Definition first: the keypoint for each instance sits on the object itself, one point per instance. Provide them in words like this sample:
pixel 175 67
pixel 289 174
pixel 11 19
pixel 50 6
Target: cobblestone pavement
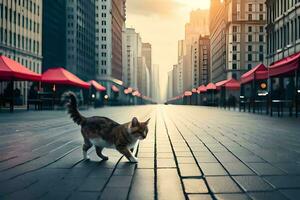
pixel 190 153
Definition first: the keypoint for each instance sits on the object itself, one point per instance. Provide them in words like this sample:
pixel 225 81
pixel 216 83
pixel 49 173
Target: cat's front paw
pixel 133 159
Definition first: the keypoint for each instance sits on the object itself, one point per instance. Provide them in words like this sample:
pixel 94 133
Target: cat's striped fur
pixel 103 132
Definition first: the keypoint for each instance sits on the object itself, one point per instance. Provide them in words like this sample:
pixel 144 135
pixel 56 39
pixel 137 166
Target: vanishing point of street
pixel 190 153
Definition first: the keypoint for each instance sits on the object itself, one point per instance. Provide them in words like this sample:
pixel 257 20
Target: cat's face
pixel 139 130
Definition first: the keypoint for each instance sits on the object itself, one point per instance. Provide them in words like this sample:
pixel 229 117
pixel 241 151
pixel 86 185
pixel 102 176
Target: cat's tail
pixel 73 110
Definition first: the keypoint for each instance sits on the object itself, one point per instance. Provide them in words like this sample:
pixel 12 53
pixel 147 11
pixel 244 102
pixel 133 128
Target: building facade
pixel 54 34
pixel 110 25
pixel 198 25
pixel 204 61
pixel 21 36
pixel 283 29
pixel 80 34
pixel 238 39
pixel 170 87
pixel 147 54
pixel 132 50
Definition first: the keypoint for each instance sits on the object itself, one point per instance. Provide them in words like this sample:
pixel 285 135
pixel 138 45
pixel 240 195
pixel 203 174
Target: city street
pixel 190 153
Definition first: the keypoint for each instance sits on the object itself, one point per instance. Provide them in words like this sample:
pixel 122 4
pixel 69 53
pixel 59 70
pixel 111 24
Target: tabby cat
pixel 103 132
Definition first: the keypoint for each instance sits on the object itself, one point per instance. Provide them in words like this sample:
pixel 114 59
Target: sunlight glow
pixel 195 4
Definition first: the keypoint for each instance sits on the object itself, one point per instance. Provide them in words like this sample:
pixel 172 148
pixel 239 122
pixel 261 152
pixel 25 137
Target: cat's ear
pixel 134 122
pixel 147 122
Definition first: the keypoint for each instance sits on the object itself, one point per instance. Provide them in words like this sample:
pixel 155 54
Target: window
pixel 250 7
pixel 249 17
pixel 234 29
pixel 234 66
pixel 261 29
pixel 234 38
pixel 249 66
pixel 261 38
pixel 250 29
pixel 261 7
pixel 261 48
pixel 249 38
pixel 249 48
pixel 234 56
pixel 261 17
pixel 233 48
pixel 249 57
pixel 261 57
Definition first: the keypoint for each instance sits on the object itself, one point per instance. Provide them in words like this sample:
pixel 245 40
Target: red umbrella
pixel 114 88
pixel 202 89
pixel 63 77
pixel 98 86
pixel 211 86
pixel 12 70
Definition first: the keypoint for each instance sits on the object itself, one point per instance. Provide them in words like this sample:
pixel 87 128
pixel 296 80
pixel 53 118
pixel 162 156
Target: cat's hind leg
pixel 85 147
pixel 99 153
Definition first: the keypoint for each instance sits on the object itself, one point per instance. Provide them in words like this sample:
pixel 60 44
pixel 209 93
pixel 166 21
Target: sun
pixel 195 4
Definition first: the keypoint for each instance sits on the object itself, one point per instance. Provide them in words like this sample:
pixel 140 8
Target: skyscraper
pixel 132 50
pixel 198 25
pixel 80 34
pixel 110 23
pixel 237 37
pixel 54 34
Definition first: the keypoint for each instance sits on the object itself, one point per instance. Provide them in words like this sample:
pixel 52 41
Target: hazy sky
pixel 161 22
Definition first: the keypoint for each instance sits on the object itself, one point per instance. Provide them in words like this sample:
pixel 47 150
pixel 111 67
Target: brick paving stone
pixel 265 169
pixel 194 186
pixel 232 197
pixel 222 184
pixel 281 182
pixel 199 197
pixel 143 185
pixel 120 181
pixel 292 194
pixel 184 154
pixel 92 185
pixel 238 168
pixel 168 184
pixel 114 193
pixel 165 155
pixel 189 170
pixel 274 195
pixel 212 169
pixel 225 157
pixel 84 195
pixel 146 163
pixel 252 183
pixel 186 160
pixel 165 163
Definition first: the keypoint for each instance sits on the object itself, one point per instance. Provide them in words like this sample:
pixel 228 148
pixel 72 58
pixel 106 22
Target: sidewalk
pixel 190 153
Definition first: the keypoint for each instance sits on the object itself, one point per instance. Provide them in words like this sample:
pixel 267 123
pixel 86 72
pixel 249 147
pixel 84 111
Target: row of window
pixel 18 41
pixel 21 21
pixel 277 8
pixel 250 57
pixel 27 4
pixel 250 38
pixel 283 36
pixel 250 29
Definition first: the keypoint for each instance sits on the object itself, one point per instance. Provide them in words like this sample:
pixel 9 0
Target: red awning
pixel 260 72
pixel 97 86
pixel 233 84
pixel 211 86
pixel 230 84
pixel 202 88
pixel 12 70
pixel 114 88
pixel 63 77
pixel 285 66
pixel 188 93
